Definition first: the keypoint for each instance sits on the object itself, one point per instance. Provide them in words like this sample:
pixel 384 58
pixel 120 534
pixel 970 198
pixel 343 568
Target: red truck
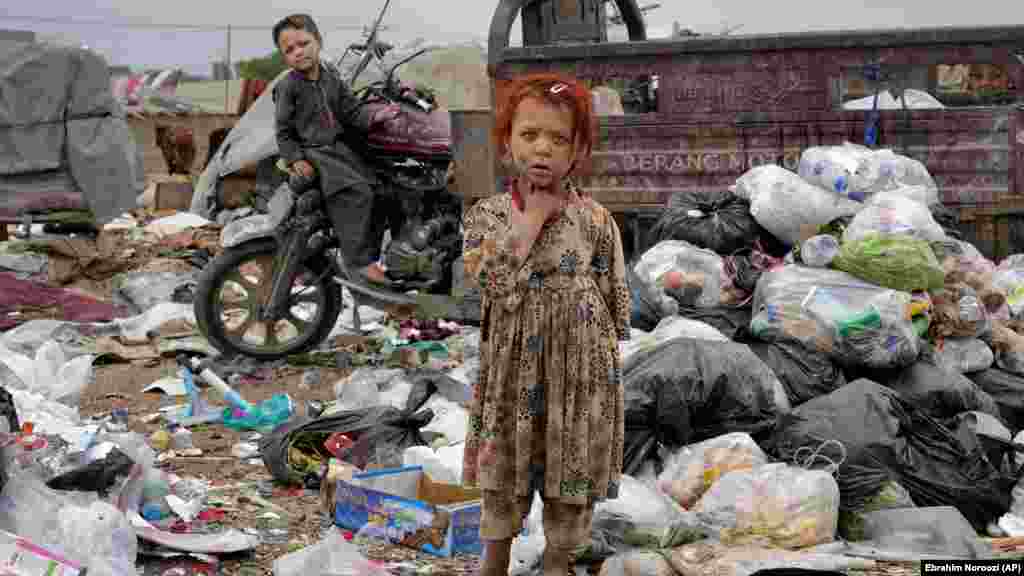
pixel 700 111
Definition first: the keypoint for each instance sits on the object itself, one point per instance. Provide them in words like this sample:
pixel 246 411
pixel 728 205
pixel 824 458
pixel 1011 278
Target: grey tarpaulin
pixel 64 141
pixel 249 141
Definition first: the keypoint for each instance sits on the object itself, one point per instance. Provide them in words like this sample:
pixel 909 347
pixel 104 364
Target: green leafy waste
pixel 896 262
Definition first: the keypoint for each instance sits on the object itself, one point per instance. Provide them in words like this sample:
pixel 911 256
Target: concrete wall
pixel 201 125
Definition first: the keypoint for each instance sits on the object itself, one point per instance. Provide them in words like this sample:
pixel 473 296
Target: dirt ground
pixel 121 385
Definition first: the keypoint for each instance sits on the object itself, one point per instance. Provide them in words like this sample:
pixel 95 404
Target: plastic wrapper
pixel 718 221
pixel 859 172
pixel 854 322
pixel 785 506
pixel 890 214
pixel 964 355
pixel 669 328
pixel 715 559
pixel 690 472
pixel 897 262
pixel 1008 347
pixel 687 390
pixel 699 270
pixel 819 251
pixel 789 207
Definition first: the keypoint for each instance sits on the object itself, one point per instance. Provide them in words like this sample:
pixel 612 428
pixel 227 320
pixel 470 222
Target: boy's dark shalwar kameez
pixel 311 119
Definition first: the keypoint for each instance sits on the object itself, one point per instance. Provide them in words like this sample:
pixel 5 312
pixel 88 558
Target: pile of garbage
pixel 814 353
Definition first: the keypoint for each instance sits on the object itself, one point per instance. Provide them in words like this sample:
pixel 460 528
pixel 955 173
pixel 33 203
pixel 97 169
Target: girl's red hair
pixel 555 89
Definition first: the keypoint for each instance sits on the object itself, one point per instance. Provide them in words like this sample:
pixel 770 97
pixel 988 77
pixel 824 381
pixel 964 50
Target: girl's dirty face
pixel 300 49
pixel 541 143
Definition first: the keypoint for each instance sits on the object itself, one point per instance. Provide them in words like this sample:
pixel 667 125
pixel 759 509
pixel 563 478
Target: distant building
pixel 18 35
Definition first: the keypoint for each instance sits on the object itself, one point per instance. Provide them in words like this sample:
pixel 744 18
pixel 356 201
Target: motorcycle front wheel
pixel 231 288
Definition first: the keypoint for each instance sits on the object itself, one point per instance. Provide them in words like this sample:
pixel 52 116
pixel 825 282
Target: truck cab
pixel 699 111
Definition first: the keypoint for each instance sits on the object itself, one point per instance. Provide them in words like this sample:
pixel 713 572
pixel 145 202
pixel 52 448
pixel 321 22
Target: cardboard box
pixel 405 506
pixel 173 194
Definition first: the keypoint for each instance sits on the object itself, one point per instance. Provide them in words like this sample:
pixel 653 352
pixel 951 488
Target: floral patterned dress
pixel 549 350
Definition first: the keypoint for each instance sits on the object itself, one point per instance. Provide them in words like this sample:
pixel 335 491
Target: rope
pixel 816 453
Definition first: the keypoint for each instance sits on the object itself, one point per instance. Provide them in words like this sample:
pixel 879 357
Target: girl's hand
pixel 537 204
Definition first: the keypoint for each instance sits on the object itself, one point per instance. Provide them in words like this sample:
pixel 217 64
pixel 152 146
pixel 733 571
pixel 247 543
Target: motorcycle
pixel 276 288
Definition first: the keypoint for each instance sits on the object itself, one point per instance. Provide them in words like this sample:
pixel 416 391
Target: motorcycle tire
pixel 213 278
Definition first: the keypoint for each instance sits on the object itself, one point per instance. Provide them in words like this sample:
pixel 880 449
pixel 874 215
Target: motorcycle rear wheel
pixel 231 287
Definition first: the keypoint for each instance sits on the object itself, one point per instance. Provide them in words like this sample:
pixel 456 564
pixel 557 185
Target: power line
pixel 152 25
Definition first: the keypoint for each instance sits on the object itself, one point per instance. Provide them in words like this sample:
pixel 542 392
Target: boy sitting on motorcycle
pixel 314 106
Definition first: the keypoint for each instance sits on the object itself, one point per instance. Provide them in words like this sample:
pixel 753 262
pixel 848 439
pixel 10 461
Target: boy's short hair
pixel 298 22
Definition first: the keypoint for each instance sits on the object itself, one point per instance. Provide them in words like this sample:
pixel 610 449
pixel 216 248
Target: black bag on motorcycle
pixel 381 434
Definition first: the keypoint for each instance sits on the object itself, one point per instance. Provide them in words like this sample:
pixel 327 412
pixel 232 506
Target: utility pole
pixel 227 75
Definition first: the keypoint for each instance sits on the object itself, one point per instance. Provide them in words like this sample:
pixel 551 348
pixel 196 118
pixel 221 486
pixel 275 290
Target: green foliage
pixel 266 68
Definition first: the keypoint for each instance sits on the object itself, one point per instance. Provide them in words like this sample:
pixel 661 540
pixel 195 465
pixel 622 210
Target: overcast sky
pixel 448 21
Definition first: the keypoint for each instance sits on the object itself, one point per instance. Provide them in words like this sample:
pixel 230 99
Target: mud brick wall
pixel 202 125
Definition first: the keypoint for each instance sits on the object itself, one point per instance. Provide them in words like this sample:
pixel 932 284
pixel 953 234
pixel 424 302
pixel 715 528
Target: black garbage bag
pixel 97 476
pixel 876 437
pixel 686 390
pixel 1007 390
pixel 380 434
pixel 728 320
pixel 941 393
pixel 718 221
pixel 948 219
pixel 804 373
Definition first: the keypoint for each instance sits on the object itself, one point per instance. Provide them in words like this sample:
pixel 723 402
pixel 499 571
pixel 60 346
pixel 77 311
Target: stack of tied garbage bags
pixel 834 316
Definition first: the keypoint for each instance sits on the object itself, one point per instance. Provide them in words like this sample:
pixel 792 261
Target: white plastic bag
pixel 689 473
pixel 681 256
pixel 50 374
pixel 840 169
pixel 449 418
pixel 788 506
pixel 667 329
pixel 788 206
pixel 891 213
pixel 836 313
pixel 74 524
pixel 527 548
pixel 859 173
pixel 362 388
pixel 432 464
